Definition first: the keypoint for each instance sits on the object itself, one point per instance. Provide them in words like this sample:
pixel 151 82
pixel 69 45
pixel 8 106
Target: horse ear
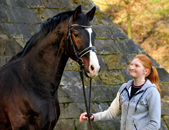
pixel 77 12
pixel 91 13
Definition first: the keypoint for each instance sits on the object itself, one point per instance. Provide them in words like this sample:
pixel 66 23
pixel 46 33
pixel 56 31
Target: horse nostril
pixel 92 68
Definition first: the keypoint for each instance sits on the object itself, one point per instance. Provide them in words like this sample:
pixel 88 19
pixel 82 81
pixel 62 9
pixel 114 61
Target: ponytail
pixel 153 77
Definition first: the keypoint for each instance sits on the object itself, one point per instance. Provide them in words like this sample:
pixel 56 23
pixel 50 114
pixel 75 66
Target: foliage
pixel 149 21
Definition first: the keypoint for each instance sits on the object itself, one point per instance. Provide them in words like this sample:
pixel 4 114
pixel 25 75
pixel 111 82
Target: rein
pixel 78 59
pixel 84 94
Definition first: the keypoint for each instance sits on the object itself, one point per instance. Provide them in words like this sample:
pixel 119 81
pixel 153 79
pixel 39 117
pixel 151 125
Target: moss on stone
pixel 65 105
pixel 163 118
pixel 100 16
pixel 112 77
pixel 72 65
pixel 40 11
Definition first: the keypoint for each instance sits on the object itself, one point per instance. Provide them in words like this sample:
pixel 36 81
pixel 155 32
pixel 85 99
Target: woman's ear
pixel 146 72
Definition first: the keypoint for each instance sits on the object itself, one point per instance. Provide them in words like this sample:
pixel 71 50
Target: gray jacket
pixel 141 112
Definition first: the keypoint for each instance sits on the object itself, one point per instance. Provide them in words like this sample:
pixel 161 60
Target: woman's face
pixel 136 69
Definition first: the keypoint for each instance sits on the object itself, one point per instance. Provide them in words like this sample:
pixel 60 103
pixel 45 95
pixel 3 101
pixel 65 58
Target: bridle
pixel 81 64
pixel 85 51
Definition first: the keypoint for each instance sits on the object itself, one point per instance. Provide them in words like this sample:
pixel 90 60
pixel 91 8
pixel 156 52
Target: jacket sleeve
pixel 154 105
pixel 110 113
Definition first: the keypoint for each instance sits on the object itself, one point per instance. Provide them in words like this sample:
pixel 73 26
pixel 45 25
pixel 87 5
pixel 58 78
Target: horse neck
pixel 48 58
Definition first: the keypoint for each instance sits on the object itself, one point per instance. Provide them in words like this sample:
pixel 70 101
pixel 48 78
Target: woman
pixel 138 99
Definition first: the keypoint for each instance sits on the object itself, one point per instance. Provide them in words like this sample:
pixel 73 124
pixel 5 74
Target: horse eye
pixel 76 35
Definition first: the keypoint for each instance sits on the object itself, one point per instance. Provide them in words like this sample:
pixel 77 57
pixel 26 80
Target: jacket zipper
pixel 134 125
pixel 127 107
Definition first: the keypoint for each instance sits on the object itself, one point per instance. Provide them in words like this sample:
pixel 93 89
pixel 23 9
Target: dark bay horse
pixel 30 80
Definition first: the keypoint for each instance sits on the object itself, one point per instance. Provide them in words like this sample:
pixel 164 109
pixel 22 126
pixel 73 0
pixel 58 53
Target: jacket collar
pixel 145 86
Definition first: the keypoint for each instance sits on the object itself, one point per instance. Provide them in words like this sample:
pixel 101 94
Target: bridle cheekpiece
pixel 85 51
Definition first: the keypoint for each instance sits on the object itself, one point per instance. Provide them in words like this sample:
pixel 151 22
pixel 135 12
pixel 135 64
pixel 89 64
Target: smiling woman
pixel 138 99
pixel 137 70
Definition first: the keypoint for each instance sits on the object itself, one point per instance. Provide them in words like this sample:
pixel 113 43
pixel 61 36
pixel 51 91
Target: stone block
pixel 111 77
pixel 95 81
pixel 108 31
pixel 63 96
pixel 130 57
pixel 69 110
pixel 163 75
pixel 58 4
pixel 17 30
pixel 12 47
pixel 116 61
pixel 34 28
pixel 4 3
pixel 106 47
pixel 72 65
pixel 115 89
pixel 73 124
pixel 102 94
pixel 76 92
pixel 82 106
pixel 65 124
pixel 3 15
pixel 163 126
pixel 98 93
pixel 24 3
pixel 2 47
pixel 167 120
pixel 102 31
pixel 99 107
pixel 128 46
pixel 27 15
pixel 70 78
pixel 165 90
pixel 94 107
pixel 22 41
pixel 4 60
pixel 101 62
pixel 69 5
pixel 49 13
pixel 84 125
pixel 126 74
pixel 164 107
pixel 109 125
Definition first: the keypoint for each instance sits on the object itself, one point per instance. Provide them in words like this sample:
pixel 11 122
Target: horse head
pixel 80 41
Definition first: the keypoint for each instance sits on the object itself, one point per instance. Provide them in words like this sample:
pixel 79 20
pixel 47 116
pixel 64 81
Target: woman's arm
pixel 110 113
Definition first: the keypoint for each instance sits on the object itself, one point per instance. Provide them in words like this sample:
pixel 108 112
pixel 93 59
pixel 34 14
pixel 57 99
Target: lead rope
pixel 84 94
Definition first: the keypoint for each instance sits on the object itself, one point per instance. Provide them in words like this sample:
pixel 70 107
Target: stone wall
pixel 22 18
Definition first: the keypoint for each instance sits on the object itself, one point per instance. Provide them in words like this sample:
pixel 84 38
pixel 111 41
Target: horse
pixel 29 81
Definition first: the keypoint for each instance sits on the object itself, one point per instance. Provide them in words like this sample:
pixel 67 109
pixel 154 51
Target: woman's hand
pixel 84 117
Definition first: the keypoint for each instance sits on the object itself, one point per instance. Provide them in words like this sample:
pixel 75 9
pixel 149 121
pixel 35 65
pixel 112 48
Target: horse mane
pixel 46 27
pixel 51 23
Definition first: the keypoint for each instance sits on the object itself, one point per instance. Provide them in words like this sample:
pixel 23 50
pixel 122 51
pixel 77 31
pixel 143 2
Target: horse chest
pixel 50 114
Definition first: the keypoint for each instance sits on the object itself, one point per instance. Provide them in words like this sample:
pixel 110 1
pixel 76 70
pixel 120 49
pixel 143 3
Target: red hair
pixel 153 74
